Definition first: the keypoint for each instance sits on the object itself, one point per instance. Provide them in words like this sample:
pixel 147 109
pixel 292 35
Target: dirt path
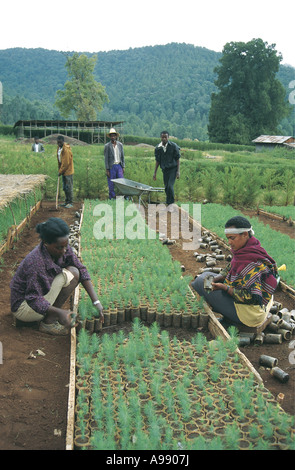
pixel 33 392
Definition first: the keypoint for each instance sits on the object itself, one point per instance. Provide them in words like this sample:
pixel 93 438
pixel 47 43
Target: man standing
pixel 65 169
pixel 114 160
pixel 167 156
pixel 37 146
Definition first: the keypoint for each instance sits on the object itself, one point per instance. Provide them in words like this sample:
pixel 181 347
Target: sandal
pixel 53 328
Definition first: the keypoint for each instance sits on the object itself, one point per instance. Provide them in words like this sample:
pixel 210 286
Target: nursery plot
pixel 287 212
pixel 18 194
pixel 124 420
pixel 138 273
pixel 282 226
pixel 145 391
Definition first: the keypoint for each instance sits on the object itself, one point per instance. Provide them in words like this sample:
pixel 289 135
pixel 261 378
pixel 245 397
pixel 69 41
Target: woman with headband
pixel 242 291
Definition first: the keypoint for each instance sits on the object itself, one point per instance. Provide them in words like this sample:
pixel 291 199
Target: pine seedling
pixel 83 342
pixel 232 436
pixel 253 431
pixel 202 363
pixel 155 329
pixel 262 444
pixel 214 372
pixel 200 342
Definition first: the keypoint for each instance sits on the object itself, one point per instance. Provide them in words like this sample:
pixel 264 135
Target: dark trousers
pixel 219 300
pixel 115 172
pixel 67 186
pixel 169 176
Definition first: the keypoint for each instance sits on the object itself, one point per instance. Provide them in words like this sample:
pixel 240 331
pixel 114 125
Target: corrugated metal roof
pixel 272 139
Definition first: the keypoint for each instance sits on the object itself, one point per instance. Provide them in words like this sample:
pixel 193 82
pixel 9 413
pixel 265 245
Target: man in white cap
pixel 114 160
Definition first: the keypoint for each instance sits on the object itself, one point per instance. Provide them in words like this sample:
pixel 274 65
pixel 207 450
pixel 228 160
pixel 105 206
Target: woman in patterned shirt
pixel 244 289
pixel 45 279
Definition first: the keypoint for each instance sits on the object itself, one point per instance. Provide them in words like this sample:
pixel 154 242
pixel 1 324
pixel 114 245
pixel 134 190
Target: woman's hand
pixel 99 307
pixel 218 279
pixel 218 286
pixel 64 317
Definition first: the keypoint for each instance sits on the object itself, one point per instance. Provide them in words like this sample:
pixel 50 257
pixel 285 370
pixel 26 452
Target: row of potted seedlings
pixel 132 285
pixel 145 390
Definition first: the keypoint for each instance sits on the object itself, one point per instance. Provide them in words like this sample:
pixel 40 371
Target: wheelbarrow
pixel 131 188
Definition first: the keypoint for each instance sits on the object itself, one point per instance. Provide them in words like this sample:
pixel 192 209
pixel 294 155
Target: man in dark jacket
pixel 114 160
pixel 167 156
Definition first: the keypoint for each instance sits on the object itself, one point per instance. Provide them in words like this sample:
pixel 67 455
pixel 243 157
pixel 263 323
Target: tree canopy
pixel 149 88
pixel 81 94
pixel 251 100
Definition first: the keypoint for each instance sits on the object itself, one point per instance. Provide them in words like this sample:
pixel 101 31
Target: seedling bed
pixel 124 420
pixel 20 198
pixel 144 390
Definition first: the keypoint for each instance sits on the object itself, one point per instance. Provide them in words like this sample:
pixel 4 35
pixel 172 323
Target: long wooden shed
pixel 96 131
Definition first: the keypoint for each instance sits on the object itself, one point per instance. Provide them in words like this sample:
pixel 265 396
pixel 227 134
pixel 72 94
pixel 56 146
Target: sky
pixel 94 26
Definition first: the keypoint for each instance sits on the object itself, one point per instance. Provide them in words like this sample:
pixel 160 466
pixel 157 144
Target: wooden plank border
pixel 72 382
pixel 72 378
pixel 14 230
pixel 271 215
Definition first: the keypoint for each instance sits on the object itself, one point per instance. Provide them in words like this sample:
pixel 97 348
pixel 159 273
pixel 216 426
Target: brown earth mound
pixel 51 140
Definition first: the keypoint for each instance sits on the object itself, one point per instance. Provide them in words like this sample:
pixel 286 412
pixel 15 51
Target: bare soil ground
pixel 34 392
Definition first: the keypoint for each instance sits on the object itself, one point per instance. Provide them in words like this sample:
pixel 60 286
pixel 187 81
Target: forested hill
pixel 150 88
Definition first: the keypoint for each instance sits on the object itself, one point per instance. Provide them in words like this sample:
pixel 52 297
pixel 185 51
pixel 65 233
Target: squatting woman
pixel 45 279
pixel 242 291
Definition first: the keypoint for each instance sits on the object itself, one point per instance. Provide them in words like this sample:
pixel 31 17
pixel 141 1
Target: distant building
pixel 269 142
pixel 94 132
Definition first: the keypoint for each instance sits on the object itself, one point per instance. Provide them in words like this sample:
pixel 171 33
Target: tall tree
pixel 81 94
pixel 251 100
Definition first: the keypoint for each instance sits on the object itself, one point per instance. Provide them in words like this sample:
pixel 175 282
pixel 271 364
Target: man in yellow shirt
pixel 65 169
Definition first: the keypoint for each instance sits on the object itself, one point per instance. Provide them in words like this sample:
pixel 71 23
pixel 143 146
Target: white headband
pixel 239 230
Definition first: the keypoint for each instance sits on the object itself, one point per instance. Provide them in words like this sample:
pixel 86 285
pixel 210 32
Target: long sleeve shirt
pixel 65 163
pixel 38 148
pixel 239 294
pixel 110 158
pixel 167 156
pixel 35 275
